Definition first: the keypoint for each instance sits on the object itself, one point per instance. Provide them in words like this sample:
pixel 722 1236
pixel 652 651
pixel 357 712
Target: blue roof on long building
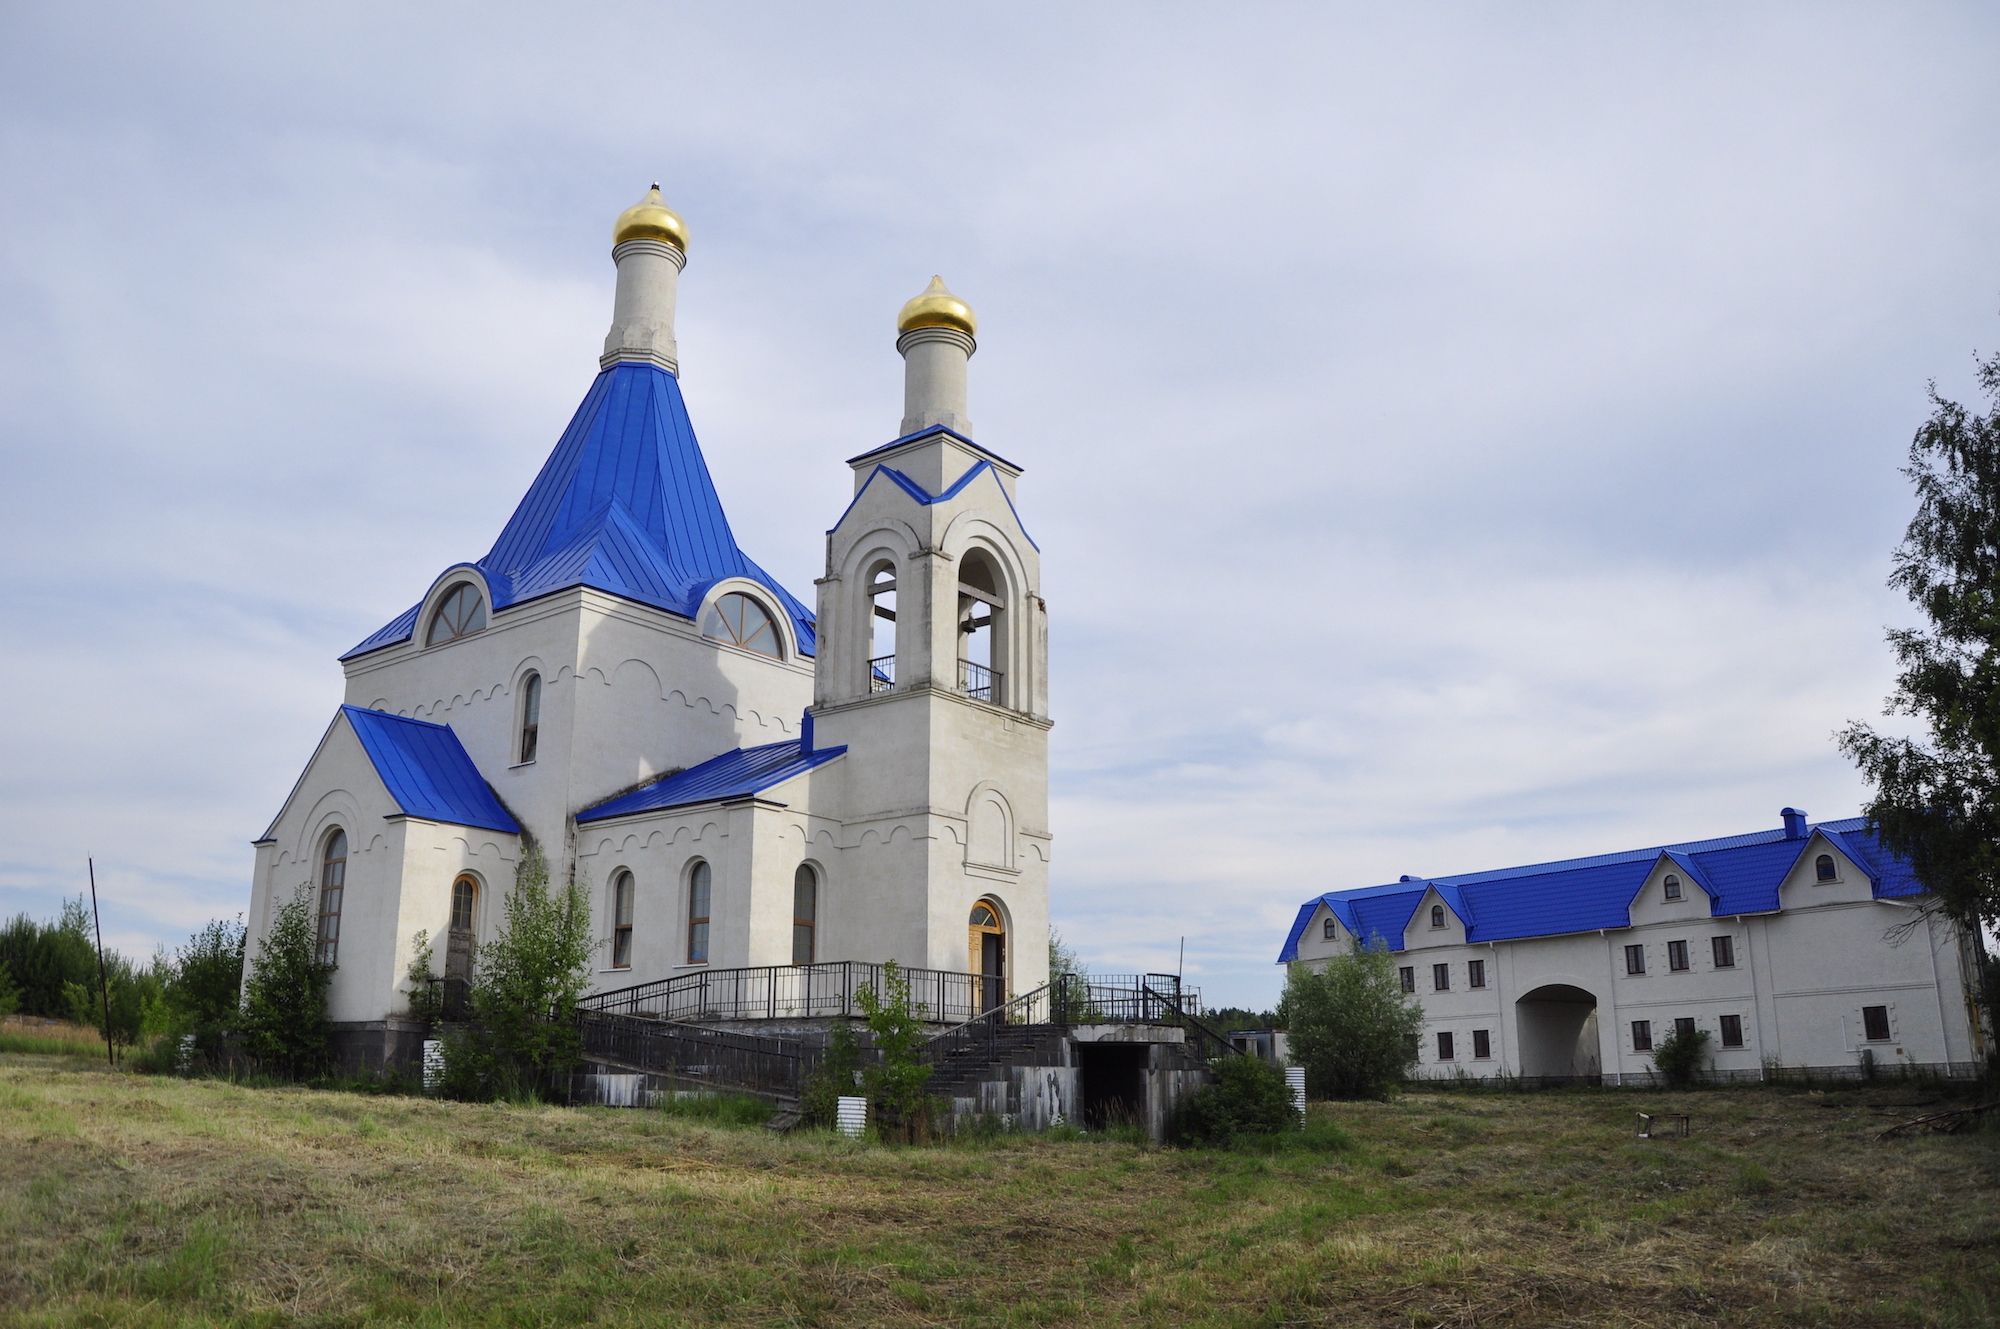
pixel 624 505
pixel 1740 874
pixel 735 774
pixel 427 771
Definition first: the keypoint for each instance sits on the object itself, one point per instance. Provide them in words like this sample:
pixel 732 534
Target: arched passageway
pixel 1556 1031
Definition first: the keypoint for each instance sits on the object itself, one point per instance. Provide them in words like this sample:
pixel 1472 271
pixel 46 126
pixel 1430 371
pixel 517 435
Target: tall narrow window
pixel 461 613
pixel 1440 978
pixel 1482 1044
pixel 1444 1045
pixel 1724 951
pixel 1408 975
pixel 1677 956
pixel 458 945
pixel 621 920
pixel 699 878
pixel 531 716
pixel 1672 887
pixel 1330 928
pixel 332 886
pixel 742 621
pixel 1475 973
pixel 1732 1031
pixel 1437 915
pixel 805 913
pixel 982 629
pixel 1642 1035
pixel 881 631
pixel 1875 1023
pixel 1823 868
pixel 1635 959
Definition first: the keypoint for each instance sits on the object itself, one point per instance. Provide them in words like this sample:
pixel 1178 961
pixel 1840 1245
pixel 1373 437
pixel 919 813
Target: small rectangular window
pixel 1684 1027
pixel 1408 974
pixel 1677 956
pixel 1635 959
pixel 1732 1031
pixel 1475 973
pixel 1642 1035
pixel 1444 1046
pixel 1482 1044
pixel 1440 978
pixel 1724 949
pixel 1875 1023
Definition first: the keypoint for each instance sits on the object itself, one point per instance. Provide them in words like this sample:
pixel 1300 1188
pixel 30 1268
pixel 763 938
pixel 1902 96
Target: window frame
pixel 1731 1024
pixel 1475 973
pixel 465 626
pixel 1677 956
pixel 1407 975
pixel 1437 916
pixel 1670 889
pixel 805 877
pixel 737 635
pixel 326 940
pixel 624 905
pixel 1329 929
pixel 1825 870
pixel 700 910
pixel 1482 1045
pixel 1684 1026
pixel 1441 977
pixel 1446 1050
pixel 1868 1034
pixel 528 734
pixel 1642 1035
pixel 1722 951
pixel 1635 959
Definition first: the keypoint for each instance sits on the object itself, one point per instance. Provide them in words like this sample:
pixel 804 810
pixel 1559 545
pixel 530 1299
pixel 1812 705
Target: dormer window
pixel 742 621
pixel 1330 929
pixel 1672 887
pixel 461 613
pixel 1437 915
pixel 1823 868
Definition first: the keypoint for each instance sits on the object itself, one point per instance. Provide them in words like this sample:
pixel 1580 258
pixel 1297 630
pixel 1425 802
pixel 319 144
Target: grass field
pixel 132 1200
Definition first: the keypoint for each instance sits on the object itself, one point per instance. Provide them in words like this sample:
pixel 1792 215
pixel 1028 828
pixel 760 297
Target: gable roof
pixel 736 774
pixel 625 505
pixel 916 491
pixel 1740 874
pixel 425 770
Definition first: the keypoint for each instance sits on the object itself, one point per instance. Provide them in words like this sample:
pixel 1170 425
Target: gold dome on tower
pixel 650 219
pixel 937 308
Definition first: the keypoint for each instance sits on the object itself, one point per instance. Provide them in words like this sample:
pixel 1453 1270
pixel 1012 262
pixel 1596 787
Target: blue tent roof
pixel 625 505
pixel 427 771
pixel 1740 874
pixel 735 774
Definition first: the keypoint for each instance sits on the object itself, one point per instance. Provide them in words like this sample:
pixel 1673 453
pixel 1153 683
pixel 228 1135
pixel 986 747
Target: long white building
pixel 1803 946
pixel 737 779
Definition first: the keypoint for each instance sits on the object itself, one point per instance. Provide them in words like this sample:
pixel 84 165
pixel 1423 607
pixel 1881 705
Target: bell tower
pixel 932 670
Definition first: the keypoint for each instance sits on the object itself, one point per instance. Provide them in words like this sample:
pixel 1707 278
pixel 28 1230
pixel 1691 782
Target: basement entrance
pixel 1111 1083
pixel 1556 1028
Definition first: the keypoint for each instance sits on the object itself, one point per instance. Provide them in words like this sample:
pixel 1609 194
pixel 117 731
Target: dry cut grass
pixel 52 1038
pixel 132 1200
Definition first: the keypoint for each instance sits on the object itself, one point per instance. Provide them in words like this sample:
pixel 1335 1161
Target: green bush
pixel 1249 1098
pixel 1680 1059
pixel 204 982
pixel 898 1083
pixel 284 1020
pixel 1351 1025
pixel 723 1109
pixel 832 1079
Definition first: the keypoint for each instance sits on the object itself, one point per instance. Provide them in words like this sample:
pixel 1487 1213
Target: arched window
pixel 699 878
pixel 622 891
pixel 1330 929
pixel 1671 887
pixel 805 913
pixel 462 613
pixel 742 621
pixel 332 886
pixel 982 629
pixel 881 631
pixel 1437 915
pixel 459 935
pixel 1823 868
pixel 531 716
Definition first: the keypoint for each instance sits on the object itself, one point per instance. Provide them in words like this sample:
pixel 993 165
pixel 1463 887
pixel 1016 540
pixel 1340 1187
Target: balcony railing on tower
pixel 978 682
pixel 882 673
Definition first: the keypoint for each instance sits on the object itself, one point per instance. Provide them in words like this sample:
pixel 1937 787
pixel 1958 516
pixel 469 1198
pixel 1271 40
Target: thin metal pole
pixel 103 981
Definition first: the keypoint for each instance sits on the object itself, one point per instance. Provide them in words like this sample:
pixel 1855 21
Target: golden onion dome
pixel 650 219
pixel 937 308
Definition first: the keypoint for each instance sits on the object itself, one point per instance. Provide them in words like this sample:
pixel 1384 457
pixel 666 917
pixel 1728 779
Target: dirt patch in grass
pixel 183 1202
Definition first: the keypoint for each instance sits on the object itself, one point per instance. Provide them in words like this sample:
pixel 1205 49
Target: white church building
pixel 738 779
pixel 1802 946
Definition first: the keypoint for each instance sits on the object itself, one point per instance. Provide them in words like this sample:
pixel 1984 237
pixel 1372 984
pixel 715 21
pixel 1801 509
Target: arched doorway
pixel 986 953
pixel 460 936
pixel 1556 1032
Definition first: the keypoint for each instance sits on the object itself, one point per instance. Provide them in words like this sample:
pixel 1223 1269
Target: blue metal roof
pixel 1740 875
pixel 624 505
pixel 926 432
pixel 735 774
pixel 925 497
pixel 427 771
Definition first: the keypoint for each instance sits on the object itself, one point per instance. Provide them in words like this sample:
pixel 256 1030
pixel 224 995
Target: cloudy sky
pixel 1456 438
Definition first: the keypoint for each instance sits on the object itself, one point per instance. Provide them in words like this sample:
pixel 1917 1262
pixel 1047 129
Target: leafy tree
pixel 1226 1018
pixel 1680 1058
pixel 126 1004
pixel 1937 801
pixel 523 999
pixel 204 982
pixel 1249 1097
pixel 284 1002
pixel 10 996
pixel 1062 960
pixel 832 1080
pixel 1351 1025
pixel 898 1084
pixel 45 957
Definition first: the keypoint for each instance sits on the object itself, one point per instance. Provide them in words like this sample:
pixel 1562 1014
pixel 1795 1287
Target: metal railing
pixel 882 673
pixel 979 682
pixel 450 998
pixel 1068 1000
pixel 796 991
pixel 776 1066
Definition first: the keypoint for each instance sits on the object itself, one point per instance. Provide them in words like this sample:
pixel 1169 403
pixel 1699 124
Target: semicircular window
pixel 742 621
pixel 461 613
